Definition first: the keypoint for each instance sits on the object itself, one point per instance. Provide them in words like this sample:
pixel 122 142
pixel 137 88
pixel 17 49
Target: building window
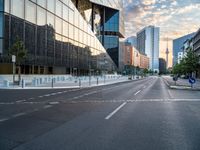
pixel 58 25
pixel 41 16
pixel 1 25
pixel 17 8
pixel 65 13
pixel 50 5
pixel 50 19
pixel 42 3
pixel 7 6
pixel 1 5
pixel 65 28
pixel 1 46
pixel 58 8
pixel 30 12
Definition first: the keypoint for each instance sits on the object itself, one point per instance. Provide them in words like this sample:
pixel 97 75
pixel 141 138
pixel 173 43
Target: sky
pixel 174 17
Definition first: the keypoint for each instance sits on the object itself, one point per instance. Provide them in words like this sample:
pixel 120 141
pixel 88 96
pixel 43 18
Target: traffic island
pixel 179 86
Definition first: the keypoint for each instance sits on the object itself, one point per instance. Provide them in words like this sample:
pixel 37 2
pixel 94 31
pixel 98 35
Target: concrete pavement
pixel 138 115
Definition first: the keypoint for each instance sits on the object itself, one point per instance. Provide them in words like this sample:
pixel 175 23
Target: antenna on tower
pixel 167 54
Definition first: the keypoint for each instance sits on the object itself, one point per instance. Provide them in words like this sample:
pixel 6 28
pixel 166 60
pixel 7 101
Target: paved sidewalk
pixel 181 83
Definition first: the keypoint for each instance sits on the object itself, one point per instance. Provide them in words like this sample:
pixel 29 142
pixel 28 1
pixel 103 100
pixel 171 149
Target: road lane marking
pixel 137 92
pixel 47 106
pixel 115 111
pixel 4 119
pixel 19 114
pixel 19 101
pixel 53 103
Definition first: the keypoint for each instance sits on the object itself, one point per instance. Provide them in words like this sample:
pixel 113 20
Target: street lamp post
pixel 13 61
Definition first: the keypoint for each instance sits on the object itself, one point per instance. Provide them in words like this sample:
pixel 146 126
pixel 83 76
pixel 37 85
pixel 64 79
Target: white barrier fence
pixel 6 81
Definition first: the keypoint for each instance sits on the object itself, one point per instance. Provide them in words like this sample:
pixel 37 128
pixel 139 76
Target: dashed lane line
pixel 137 92
pixel 115 111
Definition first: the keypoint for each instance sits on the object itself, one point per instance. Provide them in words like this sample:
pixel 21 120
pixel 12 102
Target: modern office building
pixel 162 65
pixel 61 36
pixel 178 44
pixel 196 47
pixel 132 40
pixel 148 40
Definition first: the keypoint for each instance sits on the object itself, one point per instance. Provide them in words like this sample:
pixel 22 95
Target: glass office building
pixel 59 36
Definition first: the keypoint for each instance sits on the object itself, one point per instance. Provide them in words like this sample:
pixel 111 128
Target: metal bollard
pixel 23 83
pixel 52 82
pixel 97 81
pixel 79 82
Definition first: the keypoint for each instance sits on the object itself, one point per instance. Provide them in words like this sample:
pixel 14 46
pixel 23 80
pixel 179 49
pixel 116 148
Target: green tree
pixel 191 62
pixel 18 49
pixel 188 64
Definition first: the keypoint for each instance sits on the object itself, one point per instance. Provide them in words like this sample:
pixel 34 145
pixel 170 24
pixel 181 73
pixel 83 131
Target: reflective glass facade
pixel 55 34
pixel 106 20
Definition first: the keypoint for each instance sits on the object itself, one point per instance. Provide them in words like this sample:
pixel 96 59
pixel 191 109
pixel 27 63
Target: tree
pixel 18 49
pixel 188 64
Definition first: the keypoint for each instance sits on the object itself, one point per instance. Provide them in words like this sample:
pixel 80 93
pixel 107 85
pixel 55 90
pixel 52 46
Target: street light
pixel 13 61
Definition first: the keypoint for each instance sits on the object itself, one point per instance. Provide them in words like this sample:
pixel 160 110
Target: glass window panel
pixel 1 25
pixel 65 28
pixel 30 12
pixel 17 8
pixel 66 2
pixel 1 5
pixel 42 3
pixel 65 13
pixel 71 16
pixel 71 31
pixel 50 19
pixel 1 46
pixel 41 16
pixel 50 5
pixel 76 20
pixel 58 8
pixel 71 5
pixel 76 33
pixel 58 25
pixel 7 6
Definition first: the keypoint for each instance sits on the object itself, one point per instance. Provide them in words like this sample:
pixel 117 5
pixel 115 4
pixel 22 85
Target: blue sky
pixel 174 17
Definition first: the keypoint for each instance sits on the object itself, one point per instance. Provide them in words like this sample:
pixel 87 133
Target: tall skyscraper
pixel 62 35
pixel 177 46
pixel 148 43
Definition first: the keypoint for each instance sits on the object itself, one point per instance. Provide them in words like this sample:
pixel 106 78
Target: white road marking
pixel 47 106
pixel 116 110
pixel 19 114
pixel 47 95
pixel 4 119
pixel 19 101
pixel 41 96
pixel 137 92
pixel 53 103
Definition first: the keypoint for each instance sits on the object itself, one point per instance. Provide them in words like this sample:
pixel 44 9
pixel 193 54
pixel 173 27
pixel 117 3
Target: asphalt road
pixel 136 115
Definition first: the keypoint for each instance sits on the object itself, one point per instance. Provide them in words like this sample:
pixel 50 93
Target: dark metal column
pixel 103 23
pixel 92 24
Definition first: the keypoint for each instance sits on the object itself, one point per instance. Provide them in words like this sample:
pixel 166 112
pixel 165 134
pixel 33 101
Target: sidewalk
pixel 66 82
pixel 181 83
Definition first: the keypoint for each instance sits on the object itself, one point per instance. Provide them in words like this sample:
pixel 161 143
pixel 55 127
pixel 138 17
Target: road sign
pixel 13 58
pixel 192 80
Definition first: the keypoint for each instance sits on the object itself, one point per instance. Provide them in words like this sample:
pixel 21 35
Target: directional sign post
pixel 192 81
